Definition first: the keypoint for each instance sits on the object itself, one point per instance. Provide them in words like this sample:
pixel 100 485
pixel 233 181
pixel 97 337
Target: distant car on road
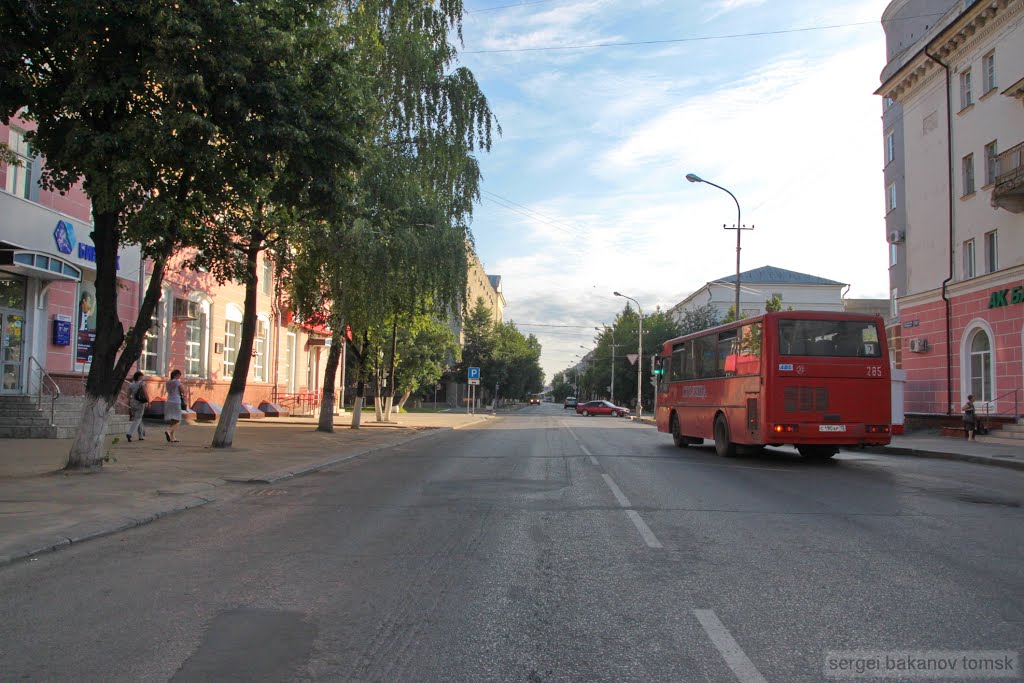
pixel 570 402
pixel 535 400
pixel 601 408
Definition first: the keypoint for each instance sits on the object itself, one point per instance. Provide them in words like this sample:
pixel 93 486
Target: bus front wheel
pixel 677 438
pixel 723 446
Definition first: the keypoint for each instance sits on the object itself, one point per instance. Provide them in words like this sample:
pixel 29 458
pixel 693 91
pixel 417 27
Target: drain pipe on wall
pixel 945 283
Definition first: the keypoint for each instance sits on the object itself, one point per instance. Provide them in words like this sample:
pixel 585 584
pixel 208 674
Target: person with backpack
pixel 137 400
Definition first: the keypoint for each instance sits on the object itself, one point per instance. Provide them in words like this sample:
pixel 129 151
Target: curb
pixel 88 531
pixel 993 460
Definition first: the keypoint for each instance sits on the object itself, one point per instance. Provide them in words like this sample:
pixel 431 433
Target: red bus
pixel 815 380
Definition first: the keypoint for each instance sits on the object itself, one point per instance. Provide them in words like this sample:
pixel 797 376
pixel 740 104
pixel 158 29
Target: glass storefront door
pixel 12 335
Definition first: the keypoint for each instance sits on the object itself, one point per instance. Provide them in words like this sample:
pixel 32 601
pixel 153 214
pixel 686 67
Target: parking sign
pixel 474 373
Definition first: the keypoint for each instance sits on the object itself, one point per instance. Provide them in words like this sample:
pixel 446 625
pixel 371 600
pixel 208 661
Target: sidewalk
pixel 929 445
pixel 43 508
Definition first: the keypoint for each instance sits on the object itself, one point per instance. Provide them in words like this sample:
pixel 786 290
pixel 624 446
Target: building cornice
pixel 972 286
pixel 949 44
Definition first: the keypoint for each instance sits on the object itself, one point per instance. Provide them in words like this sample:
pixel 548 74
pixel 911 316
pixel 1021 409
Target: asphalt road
pixel 541 546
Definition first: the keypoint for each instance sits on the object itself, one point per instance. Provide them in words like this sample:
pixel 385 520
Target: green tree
pixel 146 102
pixel 400 245
pixel 425 350
pixel 773 305
pixel 697 319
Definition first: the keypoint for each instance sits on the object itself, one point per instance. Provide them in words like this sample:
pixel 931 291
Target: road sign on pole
pixel 632 358
pixel 474 381
pixel 474 373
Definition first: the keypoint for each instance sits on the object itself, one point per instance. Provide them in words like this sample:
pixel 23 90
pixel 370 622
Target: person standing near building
pixel 970 418
pixel 137 400
pixel 173 405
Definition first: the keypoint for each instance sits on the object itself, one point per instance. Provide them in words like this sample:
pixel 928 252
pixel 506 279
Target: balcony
pixel 1008 192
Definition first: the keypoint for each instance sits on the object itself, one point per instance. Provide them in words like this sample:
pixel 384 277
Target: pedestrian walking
pixel 137 400
pixel 970 418
pixel 173 405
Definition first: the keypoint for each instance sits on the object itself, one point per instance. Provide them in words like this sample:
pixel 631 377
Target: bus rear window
pixel 829 338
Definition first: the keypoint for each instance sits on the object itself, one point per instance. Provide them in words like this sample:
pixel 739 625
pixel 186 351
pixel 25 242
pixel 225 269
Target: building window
pixel 286 371
pixel 259 355
pixel 890 147
pixel 232 336
pixel 890 198
pixel 197 334
pixel 980 366
pixel 988 68
pixel 894 306
pixel 893 255
pixel 149 358
pixel 967 171
pixel 267 279
pixel 966 96
pixel 310 371
pixel 887 102
pixel 968 259
pixel 991 162
pixel 19 178
pixel 991 252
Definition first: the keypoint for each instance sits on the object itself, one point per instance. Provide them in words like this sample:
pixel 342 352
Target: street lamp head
pixel 694 178
pixel 616 294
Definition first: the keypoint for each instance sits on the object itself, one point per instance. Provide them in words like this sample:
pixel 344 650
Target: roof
pixel 780 276
pixel 495 282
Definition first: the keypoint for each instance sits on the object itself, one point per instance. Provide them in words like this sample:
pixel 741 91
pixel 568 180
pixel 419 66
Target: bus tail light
pixel 784 429
pixel 876 429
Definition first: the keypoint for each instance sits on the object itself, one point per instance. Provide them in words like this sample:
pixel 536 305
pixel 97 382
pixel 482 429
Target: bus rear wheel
pixel 723 446
pixel 677 438
pixel 817 452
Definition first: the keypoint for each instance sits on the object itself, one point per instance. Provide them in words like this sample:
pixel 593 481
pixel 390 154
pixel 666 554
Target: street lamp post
pixel 639 356
pixel 694 178
pixel 614 345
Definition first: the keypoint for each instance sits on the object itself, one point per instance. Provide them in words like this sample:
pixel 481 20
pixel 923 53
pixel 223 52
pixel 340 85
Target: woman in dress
pixel 970 418
pixel 173 405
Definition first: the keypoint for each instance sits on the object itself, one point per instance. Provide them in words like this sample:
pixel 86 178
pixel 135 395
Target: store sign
pixel 64 237
pixel 1005 297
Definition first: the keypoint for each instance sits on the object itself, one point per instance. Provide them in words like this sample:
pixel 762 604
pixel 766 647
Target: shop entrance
pixel 12 335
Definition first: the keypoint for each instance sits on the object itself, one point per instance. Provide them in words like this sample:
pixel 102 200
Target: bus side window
pixel 678 362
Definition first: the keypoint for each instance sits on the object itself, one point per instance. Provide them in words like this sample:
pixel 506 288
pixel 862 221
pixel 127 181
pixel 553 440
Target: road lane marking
pixel 730 650
pixel 617 492
pixel 585 450
pixel 645 531
pixel 594 460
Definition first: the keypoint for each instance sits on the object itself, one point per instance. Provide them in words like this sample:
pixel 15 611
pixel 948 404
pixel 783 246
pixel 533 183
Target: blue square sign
pixel 474 373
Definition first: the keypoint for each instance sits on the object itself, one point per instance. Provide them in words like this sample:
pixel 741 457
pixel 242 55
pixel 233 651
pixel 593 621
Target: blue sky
pixel 585 191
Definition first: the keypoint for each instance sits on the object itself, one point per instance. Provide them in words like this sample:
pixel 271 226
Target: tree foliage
pixel 507 359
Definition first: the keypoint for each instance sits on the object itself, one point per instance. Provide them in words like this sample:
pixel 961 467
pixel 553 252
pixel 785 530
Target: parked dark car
pixel 601 408
pixel 570 402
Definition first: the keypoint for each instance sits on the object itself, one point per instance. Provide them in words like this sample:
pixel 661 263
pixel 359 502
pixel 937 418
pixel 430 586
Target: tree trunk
pixel 405 397
pixel 360 354
pixel 107 372
pixel 225 432
pixel 326 423
pixel 390 393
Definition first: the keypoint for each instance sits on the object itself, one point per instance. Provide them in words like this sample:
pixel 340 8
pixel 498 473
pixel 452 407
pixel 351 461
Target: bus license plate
pixel 831 428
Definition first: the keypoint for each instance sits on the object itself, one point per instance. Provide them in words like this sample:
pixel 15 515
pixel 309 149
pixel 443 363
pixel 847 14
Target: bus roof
pixel 788 315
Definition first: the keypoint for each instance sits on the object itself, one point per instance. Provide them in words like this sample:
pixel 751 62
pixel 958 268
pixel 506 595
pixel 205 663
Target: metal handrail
pixel 44 377
pixel 1010 163
pixel 1016 405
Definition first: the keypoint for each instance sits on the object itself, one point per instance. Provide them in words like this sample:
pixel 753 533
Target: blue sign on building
pixel 64 237
pixel 62 333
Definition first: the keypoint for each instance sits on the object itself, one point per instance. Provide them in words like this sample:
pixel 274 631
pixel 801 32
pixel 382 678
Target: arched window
pixel 980 378
pixel 232 337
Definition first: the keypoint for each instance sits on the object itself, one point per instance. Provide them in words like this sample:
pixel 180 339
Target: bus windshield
pixel 830 338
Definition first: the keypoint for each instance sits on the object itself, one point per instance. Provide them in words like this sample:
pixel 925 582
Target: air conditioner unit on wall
pixel 896 236
pixel 918 345
pixel 185 309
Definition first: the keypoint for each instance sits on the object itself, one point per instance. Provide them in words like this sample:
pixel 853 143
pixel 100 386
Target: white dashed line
pixel 585 450
pixel 594 460
pixel 734 656
pixel 645 531
pixel 617 492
